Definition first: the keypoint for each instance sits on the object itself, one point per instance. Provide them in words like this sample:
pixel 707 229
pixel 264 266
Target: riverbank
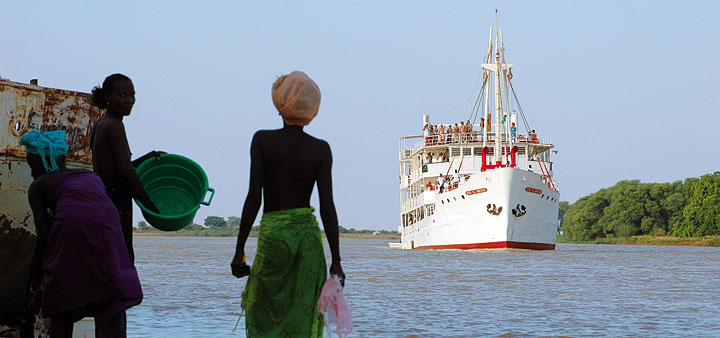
pixel 209 234
pixel 233 232
pixel 713 241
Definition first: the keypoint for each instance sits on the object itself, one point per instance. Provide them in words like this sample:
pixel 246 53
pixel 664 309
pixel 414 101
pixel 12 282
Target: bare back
pixel 285 164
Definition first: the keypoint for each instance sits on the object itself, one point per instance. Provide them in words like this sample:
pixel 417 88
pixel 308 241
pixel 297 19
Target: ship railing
pixel 409 145
pixel 423 198
pixel 473 138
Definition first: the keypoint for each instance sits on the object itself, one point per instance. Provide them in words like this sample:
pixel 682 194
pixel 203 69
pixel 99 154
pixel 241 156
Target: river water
pixel 577 290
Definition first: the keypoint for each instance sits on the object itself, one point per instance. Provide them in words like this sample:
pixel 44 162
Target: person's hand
pixel 336 269
pixel 156 154
pixel 238 266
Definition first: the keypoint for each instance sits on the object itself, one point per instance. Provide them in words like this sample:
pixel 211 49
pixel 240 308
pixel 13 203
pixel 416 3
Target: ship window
pixel 448 200
pixel 477 151
pixel 463 196
pixel 491 151
pixel 543 196
pixel 454 151
pixel 521 151
pixel 466 151
pixel 443 202
pixel 455 198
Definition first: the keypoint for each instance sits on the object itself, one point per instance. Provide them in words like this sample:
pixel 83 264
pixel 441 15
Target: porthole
pixel 463 196
pixel 454 198
pixel 448 200
pixel 443 202
pixel 543 195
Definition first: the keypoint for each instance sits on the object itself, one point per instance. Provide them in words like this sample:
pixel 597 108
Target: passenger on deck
pixel 427 134
pixel 469 127
pixel 463 132
pixel 456 133
pixel 441 134
pixel 81 258
pixel 482 126
pixel 429 186
pixel 533 137
pixel 513 132
pixel 288 271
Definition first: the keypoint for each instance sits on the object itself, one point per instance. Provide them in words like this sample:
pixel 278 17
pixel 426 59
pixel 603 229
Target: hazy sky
pixel 627 89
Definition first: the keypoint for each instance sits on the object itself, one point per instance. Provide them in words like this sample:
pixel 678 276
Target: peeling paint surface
pixel 24 107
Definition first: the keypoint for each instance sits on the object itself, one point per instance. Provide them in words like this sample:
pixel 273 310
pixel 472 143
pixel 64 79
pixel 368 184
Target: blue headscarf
pixel 49 145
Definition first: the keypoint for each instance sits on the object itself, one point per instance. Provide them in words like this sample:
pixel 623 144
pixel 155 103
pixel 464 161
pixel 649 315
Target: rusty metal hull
pixel 24 107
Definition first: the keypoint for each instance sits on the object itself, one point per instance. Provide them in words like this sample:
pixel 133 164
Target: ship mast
pixel 498 99
pixel 496 66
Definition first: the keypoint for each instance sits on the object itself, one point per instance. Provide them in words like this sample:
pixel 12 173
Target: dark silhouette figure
pixel 285 164
pixel 111 152
pixel 80 257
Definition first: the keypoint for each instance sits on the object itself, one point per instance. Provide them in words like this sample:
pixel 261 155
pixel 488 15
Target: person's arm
pixel 250 209
pixel 125 168
pixel 39 209
pixel 328 213
pixel 138 161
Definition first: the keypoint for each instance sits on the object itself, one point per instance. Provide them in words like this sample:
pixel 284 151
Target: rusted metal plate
pixel 24 107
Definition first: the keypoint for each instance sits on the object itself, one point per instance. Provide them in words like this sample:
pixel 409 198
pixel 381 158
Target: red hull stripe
pixel 491 245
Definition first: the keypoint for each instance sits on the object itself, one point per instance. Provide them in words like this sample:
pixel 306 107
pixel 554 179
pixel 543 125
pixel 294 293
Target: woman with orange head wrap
pixel 288 270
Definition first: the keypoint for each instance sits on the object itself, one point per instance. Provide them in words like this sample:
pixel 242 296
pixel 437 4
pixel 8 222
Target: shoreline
pixel 176 234
pixel 710 241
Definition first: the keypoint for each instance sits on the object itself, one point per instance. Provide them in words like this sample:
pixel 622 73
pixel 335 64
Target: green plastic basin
pixel 178 186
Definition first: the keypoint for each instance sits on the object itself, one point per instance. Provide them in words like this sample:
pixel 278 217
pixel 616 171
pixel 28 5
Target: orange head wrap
pixel 296 97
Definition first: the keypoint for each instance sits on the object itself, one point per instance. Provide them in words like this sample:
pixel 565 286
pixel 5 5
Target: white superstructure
pixel 501 192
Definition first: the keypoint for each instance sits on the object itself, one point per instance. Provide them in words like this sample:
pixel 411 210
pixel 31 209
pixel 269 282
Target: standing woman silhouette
pixel 288 271
pixel 111 152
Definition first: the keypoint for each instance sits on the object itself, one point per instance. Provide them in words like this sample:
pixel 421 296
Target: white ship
pixel 501 192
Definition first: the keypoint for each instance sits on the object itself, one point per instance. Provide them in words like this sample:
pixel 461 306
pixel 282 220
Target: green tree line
pixel 630 208
pixel 217 226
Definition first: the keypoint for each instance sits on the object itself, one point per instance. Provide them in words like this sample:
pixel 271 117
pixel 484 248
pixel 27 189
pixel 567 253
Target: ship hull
pixel 495 209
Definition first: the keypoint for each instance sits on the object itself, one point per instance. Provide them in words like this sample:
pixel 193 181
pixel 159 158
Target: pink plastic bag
pixel 334 308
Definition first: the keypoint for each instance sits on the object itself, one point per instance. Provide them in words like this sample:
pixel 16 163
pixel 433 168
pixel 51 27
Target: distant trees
pixel 214 222
pixel 142 225
pixel 632 208
pixel 701 215
pixel 233 221
pixel 562 211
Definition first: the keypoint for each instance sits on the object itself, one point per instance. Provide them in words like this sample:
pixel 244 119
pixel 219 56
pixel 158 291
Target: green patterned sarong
pixel 286 277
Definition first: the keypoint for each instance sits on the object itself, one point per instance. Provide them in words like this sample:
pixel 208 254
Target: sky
pixel 626 89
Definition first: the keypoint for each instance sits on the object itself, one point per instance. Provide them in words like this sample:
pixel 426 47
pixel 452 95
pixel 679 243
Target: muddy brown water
pixel 578 290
